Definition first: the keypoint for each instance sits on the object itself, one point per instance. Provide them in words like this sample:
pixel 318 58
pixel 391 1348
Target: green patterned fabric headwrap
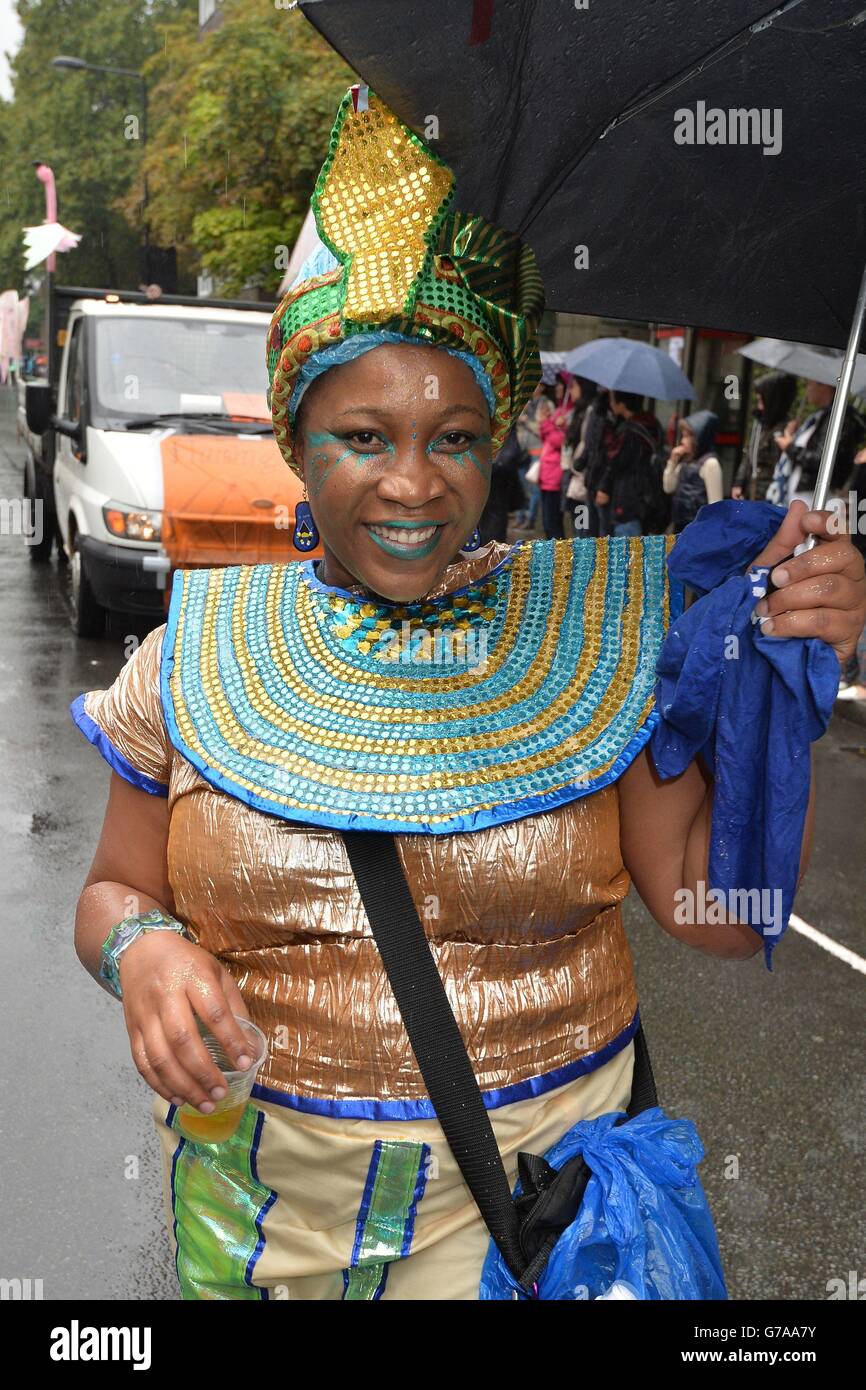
pixel 408 262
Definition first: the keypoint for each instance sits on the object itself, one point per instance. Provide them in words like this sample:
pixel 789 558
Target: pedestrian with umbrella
pixel 627 484
pixel 631 367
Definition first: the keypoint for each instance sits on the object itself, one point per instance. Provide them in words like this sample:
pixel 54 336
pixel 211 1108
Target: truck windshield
pixel 185 365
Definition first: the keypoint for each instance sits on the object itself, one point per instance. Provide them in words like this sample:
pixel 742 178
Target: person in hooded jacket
pixel 693 472
pixel 775 394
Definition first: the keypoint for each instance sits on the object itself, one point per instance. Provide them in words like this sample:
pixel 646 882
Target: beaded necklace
pixel 427 630
pixel 416 631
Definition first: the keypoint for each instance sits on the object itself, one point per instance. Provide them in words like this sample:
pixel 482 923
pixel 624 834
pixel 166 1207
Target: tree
pixel 237 130
pixel 78 122
pixel 244 116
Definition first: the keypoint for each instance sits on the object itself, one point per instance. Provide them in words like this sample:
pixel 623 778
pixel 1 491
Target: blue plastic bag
pixel 644 1228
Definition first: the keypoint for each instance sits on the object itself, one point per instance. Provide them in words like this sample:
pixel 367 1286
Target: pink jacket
pixel 552 438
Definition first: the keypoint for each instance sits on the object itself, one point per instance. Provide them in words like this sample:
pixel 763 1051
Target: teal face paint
pixel 324 462
pixel 329 450
pixel 467 454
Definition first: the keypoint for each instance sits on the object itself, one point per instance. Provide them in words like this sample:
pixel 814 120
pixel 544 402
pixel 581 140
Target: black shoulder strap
pixel 433 1033
pixel 439 1047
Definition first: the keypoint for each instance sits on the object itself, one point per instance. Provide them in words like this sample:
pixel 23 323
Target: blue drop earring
pixel 305 535
pixel 473 542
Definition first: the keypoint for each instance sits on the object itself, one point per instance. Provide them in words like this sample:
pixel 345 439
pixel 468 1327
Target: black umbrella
pixel 668 161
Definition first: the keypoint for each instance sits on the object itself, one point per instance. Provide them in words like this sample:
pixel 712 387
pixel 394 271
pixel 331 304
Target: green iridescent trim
pixel 124 933
pixel 219 1206
pixel 386 1218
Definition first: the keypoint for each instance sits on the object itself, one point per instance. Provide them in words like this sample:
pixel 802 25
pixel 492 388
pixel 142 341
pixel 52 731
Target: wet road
pixel 769 1066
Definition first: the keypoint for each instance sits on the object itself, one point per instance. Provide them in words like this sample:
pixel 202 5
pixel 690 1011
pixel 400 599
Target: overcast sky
pixel 11 31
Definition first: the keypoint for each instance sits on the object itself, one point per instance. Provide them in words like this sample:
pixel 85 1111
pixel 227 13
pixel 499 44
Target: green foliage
pixel 78 123
pixel 237 129
pixel 245 115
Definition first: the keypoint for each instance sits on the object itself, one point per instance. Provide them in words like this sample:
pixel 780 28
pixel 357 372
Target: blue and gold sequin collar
pixel 431 631
pixel 521 691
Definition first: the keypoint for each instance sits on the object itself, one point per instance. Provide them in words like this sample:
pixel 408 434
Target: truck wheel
pixel 39 551
pixel 85 614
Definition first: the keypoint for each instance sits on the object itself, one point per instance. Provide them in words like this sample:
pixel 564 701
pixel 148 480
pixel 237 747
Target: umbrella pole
pixel 840 402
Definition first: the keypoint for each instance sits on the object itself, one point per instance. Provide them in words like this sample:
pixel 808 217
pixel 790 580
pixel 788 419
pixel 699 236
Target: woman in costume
pixel 282 704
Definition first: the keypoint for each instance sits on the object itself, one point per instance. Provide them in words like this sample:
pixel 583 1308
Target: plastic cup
pixel 223 1120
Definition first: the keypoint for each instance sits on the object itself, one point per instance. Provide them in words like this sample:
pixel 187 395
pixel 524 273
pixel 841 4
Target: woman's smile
pixel 406 540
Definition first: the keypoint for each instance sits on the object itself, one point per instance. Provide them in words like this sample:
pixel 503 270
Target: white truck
pixel 150 447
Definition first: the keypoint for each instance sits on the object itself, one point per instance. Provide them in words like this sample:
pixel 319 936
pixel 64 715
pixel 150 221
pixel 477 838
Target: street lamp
pixel 63 60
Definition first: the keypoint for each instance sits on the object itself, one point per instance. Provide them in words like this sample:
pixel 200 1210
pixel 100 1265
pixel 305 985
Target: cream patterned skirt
pixel 306 1206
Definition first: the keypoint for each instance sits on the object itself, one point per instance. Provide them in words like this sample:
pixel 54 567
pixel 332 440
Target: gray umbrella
pixel 625 364
pixel 805 360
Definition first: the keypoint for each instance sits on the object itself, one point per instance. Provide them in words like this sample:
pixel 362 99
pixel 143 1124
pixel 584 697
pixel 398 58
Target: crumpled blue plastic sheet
pixel 751 705
pixel 644 1228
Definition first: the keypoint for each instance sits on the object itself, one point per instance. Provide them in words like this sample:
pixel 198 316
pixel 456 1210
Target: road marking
pixel 841 952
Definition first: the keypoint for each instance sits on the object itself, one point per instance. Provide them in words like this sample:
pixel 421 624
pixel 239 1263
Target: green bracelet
pixel 123 935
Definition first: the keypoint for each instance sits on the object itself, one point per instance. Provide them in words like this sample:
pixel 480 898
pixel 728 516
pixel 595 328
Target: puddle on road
pixel 44 822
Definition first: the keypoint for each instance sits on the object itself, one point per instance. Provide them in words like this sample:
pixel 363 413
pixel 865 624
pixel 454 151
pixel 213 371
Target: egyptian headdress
pixel 407 263
pixel 510 695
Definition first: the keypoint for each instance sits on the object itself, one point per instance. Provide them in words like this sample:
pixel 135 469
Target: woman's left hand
pixel 821 593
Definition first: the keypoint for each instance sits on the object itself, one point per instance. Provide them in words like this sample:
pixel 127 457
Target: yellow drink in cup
pixel 227 1113
pixel 210 1129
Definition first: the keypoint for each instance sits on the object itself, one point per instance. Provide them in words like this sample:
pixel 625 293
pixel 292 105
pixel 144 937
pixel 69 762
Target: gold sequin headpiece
pixel 407 262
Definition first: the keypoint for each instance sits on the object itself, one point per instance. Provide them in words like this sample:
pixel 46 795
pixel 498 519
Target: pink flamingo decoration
pixel 44 241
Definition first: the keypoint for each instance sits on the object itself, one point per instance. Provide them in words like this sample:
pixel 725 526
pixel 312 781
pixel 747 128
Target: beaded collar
pixel 430 630
pixel 319 706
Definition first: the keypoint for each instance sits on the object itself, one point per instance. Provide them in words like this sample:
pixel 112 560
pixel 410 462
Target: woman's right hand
pixel 166 981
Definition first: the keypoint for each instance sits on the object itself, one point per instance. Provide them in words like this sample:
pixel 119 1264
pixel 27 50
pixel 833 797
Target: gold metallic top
pixel 523 918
